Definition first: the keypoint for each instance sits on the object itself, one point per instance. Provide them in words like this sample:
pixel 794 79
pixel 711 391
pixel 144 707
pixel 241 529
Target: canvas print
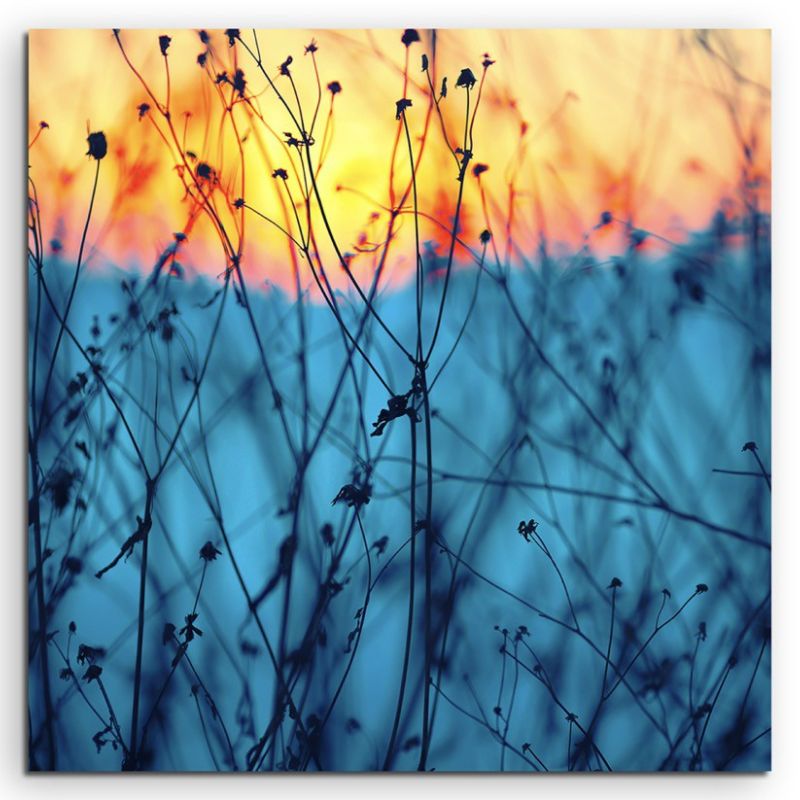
pixel 398 400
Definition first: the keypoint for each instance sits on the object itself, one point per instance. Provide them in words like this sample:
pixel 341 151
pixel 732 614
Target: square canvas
pixel 399 400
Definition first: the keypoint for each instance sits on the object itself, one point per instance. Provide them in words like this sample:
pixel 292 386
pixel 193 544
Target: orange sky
pixel 649 124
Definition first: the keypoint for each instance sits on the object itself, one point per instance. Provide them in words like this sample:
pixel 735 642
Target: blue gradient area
pixel 611 404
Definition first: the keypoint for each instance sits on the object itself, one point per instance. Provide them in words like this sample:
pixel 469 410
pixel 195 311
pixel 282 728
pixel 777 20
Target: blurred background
pixel 602 367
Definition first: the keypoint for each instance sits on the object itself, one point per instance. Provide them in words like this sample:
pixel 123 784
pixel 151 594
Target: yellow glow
pixel 648 124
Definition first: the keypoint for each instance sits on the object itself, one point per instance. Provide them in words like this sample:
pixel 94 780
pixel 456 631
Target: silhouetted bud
pixel 239 82
pixel 209 553
pixel 402 105
pixel 466 78
pixel 98 147
pixel 93 673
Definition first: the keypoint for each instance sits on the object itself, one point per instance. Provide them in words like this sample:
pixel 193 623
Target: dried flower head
pixel 466 78
pixel 209 553
pixel 409 37
pixel 98 146
pixel 402 105
pixel 92 673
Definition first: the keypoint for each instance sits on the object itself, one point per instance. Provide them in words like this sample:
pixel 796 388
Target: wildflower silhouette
pixel 466 78
pixel 98 146
pixel 402 105
pixel 209 553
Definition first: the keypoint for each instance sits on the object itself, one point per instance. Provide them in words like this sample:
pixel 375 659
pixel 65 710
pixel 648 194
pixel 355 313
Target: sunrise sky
pixel 660 127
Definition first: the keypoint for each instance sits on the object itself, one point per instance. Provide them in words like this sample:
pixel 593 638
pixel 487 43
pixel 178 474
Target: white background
pixel 782 18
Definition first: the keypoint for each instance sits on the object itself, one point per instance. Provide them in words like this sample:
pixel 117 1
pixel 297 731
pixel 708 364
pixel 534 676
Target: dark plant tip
pixel 606 218
pixel 700 588
pixel 466 78
pixel 281 173
pixel 752 446
pixel 92 673
pixel 409 37
pixel 527 529
pixel 239 82
pixel 402 105
pixel 487 61
pixel 334 87
pixel 209 553
pixel 479 169
pixel 615 584
pixel 311 47
pixel 238 202
pixel 233 35
pixel 98 146
pixel 163 44
pixel 424 63
pixel 485 237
